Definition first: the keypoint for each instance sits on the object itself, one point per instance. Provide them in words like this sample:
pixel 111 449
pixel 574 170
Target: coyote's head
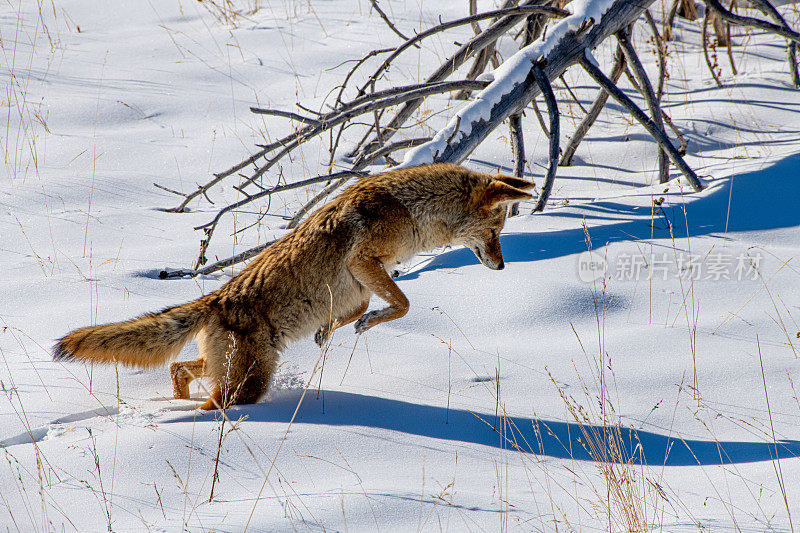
pixel 488 215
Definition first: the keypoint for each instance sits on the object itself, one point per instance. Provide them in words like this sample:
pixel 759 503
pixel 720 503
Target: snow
pixel 683 354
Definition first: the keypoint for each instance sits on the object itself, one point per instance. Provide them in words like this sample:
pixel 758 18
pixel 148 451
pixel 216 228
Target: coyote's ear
pixel 517 183
pixel 498 192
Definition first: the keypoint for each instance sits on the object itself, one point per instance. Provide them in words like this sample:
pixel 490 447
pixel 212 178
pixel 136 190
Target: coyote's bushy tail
pixel 148 341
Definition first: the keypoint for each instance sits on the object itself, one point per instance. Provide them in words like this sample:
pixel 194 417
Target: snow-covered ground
pixel 656 396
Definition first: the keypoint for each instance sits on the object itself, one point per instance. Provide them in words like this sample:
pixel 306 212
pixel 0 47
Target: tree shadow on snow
pixel 753 201
pixel 529 435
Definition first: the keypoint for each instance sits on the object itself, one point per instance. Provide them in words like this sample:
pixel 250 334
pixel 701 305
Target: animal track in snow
pixel 40 433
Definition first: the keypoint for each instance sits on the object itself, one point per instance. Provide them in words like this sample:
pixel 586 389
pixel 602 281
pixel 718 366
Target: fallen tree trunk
pixel 592 22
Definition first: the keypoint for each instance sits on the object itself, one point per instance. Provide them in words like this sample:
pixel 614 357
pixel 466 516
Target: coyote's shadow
pixel 752 201
pixel 530 435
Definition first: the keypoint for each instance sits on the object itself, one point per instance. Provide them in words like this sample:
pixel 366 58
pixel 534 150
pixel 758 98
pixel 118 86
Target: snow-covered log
pixel 564 45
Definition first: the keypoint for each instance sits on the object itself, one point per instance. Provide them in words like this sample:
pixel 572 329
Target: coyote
pixel 317 278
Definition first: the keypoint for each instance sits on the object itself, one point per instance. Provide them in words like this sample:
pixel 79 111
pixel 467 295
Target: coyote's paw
pixel 363 323
pixel 180 380
pixel 370 319
pixel 322 335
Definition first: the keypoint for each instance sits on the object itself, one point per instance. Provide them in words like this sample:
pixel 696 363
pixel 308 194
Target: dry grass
pixel 231 12
pixel 26 128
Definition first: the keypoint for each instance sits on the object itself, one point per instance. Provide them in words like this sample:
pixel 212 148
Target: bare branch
pixel 352 71
pixel 360 106
pixel 517 152
pixel 639 115
pixel 594 111
pixel 572 94
pixel 335 143
pixel 649 96
pixel 730 46
pixel 398 145
pixel 286 114
pixel 660 49
pixel 486 55
pixel 768 9
pixel 387 21
pixel 567 51
pixel 369 104
pixel 476 44
pixel 704 39
pixel 719 25
pixel 473 10
pixel 325 122
pixel 534 27
pixel 169 190
pixel 683 143
pixel 274 190
pixel 202 189
pixel 670 21
pixel 426 88
pixel 539 117
pixel 219 265
pixel 783 31
pixel 687 9
pixel 552 110
pixel 681 138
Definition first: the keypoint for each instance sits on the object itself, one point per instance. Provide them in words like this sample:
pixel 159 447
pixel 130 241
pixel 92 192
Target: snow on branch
pixel 508 76
pixel 568 42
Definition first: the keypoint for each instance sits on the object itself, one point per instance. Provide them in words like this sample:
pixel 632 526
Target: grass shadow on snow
pixel 530 435
pixel 760 200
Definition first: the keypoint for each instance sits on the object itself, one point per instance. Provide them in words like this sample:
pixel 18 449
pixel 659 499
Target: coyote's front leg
pixel 369 272
pixel 323 334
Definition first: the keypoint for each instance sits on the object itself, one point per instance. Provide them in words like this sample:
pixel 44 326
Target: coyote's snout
pixel 487 249
pixel 315 279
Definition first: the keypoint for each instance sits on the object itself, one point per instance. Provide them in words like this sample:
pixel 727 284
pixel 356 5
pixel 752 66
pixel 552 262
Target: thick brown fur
pixel 317 278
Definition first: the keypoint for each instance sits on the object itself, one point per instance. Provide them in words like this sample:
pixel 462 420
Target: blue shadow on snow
pixel 759 200
pixel 561 440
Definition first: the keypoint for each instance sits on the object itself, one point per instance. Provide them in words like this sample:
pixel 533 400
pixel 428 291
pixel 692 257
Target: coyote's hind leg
pixel 242 375
pixel 211 340
pixel 183 373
